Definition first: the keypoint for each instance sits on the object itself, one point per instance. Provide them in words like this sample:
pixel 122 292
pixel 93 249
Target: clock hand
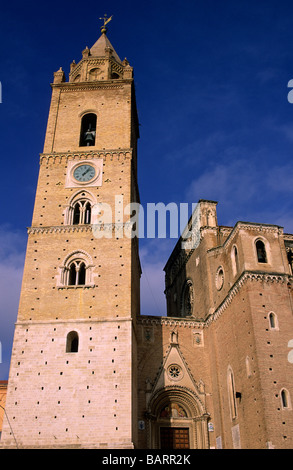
pixel 86 172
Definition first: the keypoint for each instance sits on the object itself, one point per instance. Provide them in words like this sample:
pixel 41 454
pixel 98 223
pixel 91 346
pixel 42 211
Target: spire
pixel 103 43
pixel 100 62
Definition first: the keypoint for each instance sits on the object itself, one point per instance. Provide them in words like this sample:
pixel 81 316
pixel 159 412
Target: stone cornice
pixel 117 228
pixel 260 228
pixel 288 236
pixel 180 257
pixel 59 229
pixel 169 321
pixel 88 86
pixel 75 320
pixel 91 85
pixel 110 154
pixel 253 276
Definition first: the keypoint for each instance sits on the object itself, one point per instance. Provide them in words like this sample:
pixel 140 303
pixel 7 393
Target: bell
pixel 89 137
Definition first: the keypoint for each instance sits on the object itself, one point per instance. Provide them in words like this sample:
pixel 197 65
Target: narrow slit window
pixel 232 395
pixel 285 399
pixel 234 256
pixel 273 321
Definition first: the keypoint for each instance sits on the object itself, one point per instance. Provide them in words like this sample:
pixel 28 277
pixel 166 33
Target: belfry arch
pixel 177 419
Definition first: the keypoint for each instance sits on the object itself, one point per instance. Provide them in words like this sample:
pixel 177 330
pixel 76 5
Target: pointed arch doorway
pixel 177 420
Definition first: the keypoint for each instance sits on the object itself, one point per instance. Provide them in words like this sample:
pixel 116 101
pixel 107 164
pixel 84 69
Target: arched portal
pixel 177 420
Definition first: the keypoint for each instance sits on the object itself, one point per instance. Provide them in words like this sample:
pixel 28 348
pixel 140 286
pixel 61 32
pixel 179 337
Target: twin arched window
pixel 76 270
pixel 77 273
pixel 82 212
pixel 79 210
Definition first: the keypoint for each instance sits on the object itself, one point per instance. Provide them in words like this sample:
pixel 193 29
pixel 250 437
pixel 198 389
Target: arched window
pixel 72 274
pixel 88 130
pixel 94 74
pixel 115 76
pixel 273 321
pixel 76 214
pixel 79 209
pixel 77 270
pixel 232 394
pixel 248 367
pixel 77 273
pixel 82 212
pixel 261 251
pixel 81 274
pixel 290 258
pixel 72 342
pixel 87 213
pixel 220 278
pixel 234 257
pixel 187 299
pixel 285 399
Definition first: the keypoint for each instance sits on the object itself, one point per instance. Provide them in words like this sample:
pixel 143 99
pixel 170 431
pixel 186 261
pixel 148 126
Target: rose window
pixel 175 372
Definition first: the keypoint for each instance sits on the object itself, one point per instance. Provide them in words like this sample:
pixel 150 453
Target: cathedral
pixel 89 371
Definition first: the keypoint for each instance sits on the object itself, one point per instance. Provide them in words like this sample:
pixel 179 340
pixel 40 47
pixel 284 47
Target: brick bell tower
pixel 72 379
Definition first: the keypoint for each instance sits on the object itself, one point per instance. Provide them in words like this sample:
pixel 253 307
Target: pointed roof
pixel 98 49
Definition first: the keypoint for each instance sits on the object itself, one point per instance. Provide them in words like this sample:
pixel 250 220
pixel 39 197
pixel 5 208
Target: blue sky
pixel 215 122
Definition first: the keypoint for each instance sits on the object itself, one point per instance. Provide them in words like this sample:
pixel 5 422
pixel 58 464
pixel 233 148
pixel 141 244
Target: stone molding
pixel 86 86
pixel 288 237
pixel 91 85
pixel 59 229
pixel 170 321
pixel 117 228
pixel 119 154
pixel 181 258
pixel 253 276
pixel 73 321
pixel 259 228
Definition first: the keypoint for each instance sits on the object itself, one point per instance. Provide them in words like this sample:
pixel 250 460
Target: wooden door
pixel 174 438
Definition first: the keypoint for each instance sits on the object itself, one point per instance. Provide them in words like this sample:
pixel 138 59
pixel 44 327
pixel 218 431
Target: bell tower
pixel 72 379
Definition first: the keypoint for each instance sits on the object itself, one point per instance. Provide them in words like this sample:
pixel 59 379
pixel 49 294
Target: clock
pixel 84 173
pixel 87 172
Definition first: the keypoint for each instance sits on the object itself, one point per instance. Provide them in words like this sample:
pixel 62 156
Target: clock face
pixel 84 173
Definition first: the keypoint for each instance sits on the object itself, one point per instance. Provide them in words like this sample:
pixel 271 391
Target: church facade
pixel 87 370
